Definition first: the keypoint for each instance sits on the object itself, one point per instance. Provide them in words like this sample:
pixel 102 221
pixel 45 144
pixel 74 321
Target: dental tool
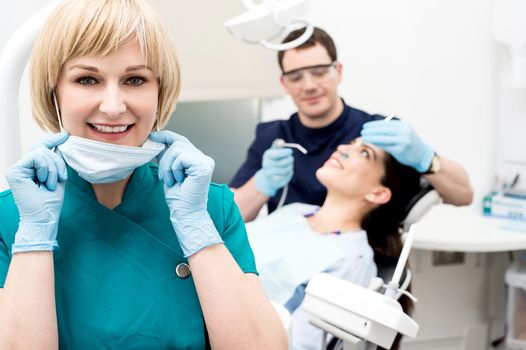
pixel 280 143
pixel 389 117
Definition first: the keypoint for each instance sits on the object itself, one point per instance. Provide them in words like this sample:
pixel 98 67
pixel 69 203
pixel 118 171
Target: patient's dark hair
pixel 383 223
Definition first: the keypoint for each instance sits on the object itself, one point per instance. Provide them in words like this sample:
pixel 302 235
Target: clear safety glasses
pixel 317 73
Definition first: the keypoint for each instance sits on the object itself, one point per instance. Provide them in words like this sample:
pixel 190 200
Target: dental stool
pixel 369 318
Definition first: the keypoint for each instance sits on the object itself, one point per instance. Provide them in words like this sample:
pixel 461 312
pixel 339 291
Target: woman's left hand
pixel 186 173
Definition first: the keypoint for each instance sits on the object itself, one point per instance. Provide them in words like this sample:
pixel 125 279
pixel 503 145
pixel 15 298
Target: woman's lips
pixel 108 135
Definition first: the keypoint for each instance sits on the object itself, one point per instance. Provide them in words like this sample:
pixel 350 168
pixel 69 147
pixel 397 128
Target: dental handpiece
pixel 280 143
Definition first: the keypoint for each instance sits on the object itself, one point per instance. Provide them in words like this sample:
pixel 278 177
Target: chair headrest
pixel 421 204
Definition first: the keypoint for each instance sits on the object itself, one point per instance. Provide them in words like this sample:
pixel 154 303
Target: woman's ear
pixel 379 195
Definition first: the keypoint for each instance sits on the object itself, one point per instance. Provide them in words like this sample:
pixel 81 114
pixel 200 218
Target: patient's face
pixel 354 169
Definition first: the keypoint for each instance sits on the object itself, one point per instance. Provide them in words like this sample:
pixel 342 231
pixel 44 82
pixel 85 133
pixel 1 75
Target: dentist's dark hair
pixel 383 223
pixel 319 36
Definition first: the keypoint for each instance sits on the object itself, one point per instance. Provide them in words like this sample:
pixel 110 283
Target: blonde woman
pixel 99 248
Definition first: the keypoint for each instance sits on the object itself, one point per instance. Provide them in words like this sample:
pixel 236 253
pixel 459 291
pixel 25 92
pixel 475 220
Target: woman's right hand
pixel 37 182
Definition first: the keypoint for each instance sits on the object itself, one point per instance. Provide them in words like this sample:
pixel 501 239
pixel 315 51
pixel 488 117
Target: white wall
pixel 430 62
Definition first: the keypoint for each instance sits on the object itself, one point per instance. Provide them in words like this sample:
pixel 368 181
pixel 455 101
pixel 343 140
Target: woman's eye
pixel 135 81
pixel 86 81
pixel 364 153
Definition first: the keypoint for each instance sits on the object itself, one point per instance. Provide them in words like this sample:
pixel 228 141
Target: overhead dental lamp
pixel 267 21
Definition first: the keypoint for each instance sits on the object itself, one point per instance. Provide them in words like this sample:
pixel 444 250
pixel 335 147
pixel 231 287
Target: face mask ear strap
pixel 157 122
pixel 58 111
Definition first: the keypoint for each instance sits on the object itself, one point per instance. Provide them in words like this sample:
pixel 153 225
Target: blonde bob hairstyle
pixel 98 27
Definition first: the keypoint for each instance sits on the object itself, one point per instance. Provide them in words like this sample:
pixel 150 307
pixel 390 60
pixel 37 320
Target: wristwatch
pixel 435 165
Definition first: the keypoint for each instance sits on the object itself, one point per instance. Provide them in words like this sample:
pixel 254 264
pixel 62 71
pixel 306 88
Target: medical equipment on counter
pixel 505 205
pixel 361 317
pixel 282 143
pixel 269 20
pixel 13 60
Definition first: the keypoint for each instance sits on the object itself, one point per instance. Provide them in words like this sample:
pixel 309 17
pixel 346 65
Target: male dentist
pixel 311 74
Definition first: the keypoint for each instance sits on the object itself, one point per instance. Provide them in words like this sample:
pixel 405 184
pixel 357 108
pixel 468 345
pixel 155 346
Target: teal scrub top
pixel 115 270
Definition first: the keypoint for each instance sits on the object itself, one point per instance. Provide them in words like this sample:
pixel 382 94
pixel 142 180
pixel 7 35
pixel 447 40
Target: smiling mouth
pixel 311 98
pixel 335 162
pixel 108 129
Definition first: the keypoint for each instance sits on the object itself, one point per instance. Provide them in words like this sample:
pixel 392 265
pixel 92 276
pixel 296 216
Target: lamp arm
pixel 249 4
pixel 293 43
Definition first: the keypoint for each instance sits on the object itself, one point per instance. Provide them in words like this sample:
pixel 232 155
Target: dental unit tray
pixel 356 310
pixel 362 318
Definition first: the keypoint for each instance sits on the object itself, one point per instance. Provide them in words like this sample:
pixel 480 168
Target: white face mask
pixel 101 163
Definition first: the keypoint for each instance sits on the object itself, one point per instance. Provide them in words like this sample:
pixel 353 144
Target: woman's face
pixel 111 99
pixel 354 169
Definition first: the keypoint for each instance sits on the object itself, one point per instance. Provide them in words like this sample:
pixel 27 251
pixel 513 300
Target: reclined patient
pixel 367 195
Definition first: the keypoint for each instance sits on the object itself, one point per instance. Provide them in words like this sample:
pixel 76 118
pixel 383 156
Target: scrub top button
pixel 182 270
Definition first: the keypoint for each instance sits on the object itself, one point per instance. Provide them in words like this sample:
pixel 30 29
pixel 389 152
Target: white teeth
pixel 110 129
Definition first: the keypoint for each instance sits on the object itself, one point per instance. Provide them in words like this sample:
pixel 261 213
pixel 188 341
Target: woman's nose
pixel 112 102
pixel 342 148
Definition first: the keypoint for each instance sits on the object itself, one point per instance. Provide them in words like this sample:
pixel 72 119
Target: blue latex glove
pixel 276 171
pixel 37 182
pixel 400 140
pixel 186 173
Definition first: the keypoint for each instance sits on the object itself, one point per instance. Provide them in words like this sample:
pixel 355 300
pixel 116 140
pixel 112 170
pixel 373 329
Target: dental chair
pixel 361 318
pixel 417 208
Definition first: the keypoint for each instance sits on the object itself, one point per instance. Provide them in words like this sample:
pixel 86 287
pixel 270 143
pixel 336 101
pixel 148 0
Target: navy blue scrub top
pixel 320 143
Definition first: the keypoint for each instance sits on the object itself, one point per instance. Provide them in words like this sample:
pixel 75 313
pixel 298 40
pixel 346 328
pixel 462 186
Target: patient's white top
pixel 288 253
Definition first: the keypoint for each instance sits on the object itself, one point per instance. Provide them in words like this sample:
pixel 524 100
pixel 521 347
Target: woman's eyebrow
pixel 137 67
pixel 370 149
pixel 85 67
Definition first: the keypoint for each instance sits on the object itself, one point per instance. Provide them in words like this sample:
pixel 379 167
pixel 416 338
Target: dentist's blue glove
pixel 186 173
pixel 400 140
pixel 276 171
pixel 37 182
